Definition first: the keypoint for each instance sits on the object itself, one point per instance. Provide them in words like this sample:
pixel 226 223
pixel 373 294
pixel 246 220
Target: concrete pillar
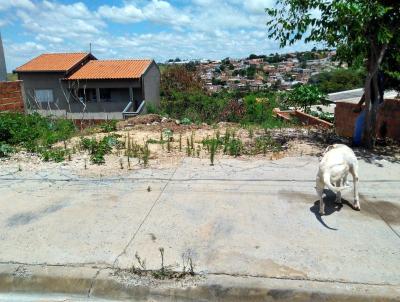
pixel 98 95
pixel 130 93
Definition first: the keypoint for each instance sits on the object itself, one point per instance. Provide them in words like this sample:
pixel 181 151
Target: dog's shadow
pixel 330 207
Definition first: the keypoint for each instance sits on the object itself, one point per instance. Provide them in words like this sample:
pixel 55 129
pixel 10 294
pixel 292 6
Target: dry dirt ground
pixel 290 142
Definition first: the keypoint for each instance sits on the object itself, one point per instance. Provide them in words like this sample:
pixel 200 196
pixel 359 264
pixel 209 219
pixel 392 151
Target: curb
pixel 93 283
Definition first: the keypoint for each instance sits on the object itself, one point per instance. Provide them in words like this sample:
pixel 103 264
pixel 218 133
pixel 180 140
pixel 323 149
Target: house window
pixel 44 95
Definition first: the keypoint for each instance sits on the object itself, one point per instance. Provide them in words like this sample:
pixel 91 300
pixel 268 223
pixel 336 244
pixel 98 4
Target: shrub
pixel 97 149
pixel 109 126
pixel 304 96
pixel 33 131
pixel 151 108
pixel 5 149
pixel 54 154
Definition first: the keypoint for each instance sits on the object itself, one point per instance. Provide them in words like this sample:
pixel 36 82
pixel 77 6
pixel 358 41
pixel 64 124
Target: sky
pixel 157 29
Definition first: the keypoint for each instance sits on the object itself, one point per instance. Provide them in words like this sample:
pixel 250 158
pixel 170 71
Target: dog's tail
pixel 327 181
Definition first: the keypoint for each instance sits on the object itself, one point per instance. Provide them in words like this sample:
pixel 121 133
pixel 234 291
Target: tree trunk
pixel 371 92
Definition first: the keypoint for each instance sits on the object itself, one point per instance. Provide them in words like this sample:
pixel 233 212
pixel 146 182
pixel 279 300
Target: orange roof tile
pixel 53 62
pixel 111 69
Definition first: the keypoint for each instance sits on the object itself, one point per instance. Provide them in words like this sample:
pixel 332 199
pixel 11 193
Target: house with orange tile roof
pixel 79 86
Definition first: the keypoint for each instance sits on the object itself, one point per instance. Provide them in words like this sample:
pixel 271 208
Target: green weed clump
pixel 97 149
pixel 54 154
pixel 109 126
pixel 5 149
pixel 266 143
pixel 34 133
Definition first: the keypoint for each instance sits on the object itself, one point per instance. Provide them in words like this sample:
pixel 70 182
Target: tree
pixel 359 30
pixel 338 80
pixel 178 78
pixel 304 96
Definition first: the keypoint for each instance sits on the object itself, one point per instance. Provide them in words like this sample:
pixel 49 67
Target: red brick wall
pixel 388 119
pixel 11 96
pixel 307 119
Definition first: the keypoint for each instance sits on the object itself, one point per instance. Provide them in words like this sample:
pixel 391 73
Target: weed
pixel 235 147
pixel 192 141
pixel 97 149
pixel 54 154
pixel 188 150
pixel 109 126
pixel 121 163
pixel 266 143
pixel 19 168
pixel 5 149
pixel 251 132
pixel 213 150
pixel 145 155
pixel 32 131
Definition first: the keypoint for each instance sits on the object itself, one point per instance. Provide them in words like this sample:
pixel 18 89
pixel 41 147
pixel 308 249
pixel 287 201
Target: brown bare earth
pixel 151 129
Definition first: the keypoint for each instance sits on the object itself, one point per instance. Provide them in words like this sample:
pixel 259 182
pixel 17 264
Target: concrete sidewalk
pixel 251 224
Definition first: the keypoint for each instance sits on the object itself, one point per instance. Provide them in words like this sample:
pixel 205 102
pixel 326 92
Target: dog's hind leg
pixel 320 192
pixel 338 194
pixel 354 173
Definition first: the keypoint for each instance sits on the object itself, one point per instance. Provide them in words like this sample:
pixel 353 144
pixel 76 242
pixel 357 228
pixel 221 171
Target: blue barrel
pixel 359 128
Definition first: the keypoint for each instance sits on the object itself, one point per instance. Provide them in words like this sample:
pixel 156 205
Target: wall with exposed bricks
pixel 388 119
pixel 303 118
pixel 11 97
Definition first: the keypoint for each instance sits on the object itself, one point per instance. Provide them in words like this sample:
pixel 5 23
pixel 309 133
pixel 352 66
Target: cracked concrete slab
pixel 241 219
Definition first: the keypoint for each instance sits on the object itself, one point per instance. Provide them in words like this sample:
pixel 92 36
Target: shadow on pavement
pixel 330 207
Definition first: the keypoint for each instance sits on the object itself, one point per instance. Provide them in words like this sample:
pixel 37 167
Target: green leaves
pixel 305 96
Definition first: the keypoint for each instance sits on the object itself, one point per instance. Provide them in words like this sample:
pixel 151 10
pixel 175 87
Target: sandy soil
pixel 150 128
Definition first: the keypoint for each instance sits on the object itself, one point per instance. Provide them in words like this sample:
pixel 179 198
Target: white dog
pixel 335 165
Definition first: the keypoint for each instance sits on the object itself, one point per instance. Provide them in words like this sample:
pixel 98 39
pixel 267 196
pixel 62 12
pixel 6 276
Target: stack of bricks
pixel 11 98
pixel 388 119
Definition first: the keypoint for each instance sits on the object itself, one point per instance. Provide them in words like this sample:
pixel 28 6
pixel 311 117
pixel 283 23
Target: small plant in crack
pixel 164 272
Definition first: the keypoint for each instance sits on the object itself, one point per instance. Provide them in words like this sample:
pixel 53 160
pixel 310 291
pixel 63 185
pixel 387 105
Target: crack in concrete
pixel 66 265
pixel 92 283
pixel 146 216
pixel 300 279
pixel 155 179
pixel 238 275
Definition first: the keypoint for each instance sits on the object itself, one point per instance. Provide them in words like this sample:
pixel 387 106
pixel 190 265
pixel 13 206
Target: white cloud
pixel 126 14
pixel 258 6
pixel 24 4
pixel 157 11
pixel 55 22
pixel 199 29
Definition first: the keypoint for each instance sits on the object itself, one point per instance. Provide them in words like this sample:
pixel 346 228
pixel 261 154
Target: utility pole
pixel 3 69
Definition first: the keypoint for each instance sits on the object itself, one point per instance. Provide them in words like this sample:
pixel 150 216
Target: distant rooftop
pixel 53 62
